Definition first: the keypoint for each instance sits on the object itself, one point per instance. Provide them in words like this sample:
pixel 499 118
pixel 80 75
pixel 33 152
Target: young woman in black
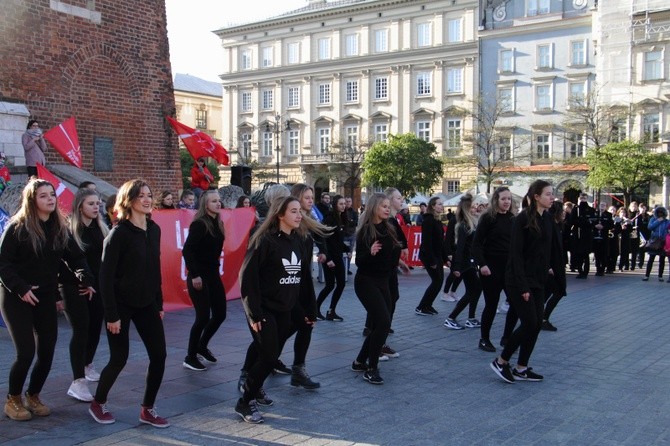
pixel 528 268
pixel 556 287
pixel 376 242
pixel 130 284
pixel 432 254
pixel 334 266
pixel 84 312
pixel 490 249
pixel 275 270
pixel 31 250
pixel 202 255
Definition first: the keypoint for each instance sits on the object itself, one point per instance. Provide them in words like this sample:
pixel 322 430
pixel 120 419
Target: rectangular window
pixel 324 48
pixel 351 133
pixel 542 146
pixel 455 30
pixel 423 84
pixel 293 53
pixel 543 97
pixel 455 80
pixel 535 7
pixel 324 94
pixel 351 91
pixel 266 144
pixel 267 57
pixel 245 101
pixel 575 145
pixel 506 62
pixel 618 132
pixel 423 35
pixel 293 142
pixel 423 130
pixel 506 100
pixel 381 88
pixel 351 45
pixel 504 148
pixel 454 134
pixel 650 128
pixel 246 145
pixel 544 56
pixel 453 186
pixel 268 102
pixel 577 92
pixel 201 119
pixel 578 52
pixel 293 97
pixel 381 41
pixel 381 133
pixel 324 140
pixel 653 65
pixel 245 63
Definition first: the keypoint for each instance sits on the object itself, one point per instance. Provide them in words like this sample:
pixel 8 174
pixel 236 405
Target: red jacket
pixel 200 179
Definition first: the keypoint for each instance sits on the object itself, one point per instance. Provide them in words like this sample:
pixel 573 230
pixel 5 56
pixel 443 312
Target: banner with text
pixel 413 235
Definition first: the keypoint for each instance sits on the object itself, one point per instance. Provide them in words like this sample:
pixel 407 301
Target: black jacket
pixel 93 238
pixel 492 238
pixel 202 250
pixel 400 235
pixel 462 259
pixel 530 253
pixel 433 249
pixel 380 264
pixel 335 242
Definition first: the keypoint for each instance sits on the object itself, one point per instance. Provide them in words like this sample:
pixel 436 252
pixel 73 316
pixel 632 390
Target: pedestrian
pixel 84 312
pixel 275 270
pixel 452 282
pixel 432 254
pixel 130 284
pixel 582 235
pixel 490 249
pixel 187 200
pixel 602 223
pixel 31 249
pixel 527 271
pixel 350 230
pixel 556 288
pixel 165 201
pixel 202 255
pixel 658 227
pixel 34 147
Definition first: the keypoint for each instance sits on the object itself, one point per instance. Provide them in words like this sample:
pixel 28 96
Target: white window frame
pixel 381 40
pixel 351 45
pixel 351 91
pixel 245 102
pixel 453 186
pixel 576 145
pixel 325 93
pixel 653 67
pixel 351 137
pixel 544 100
pixel 381 88
pixel 651 129
pixel 455 30
pixel 323 136
pixel 424 83
pixel 503 148
pixel 506 62
pixel 324 48
pixel 246 58
pixel 544 145
pixel 537 7
pixel 455 80
pixel 266 144
pixel 423 130
pixel 293 142
pixel 267 99
pixel 267 53
pixel 423 35
pixel 545 56
pixel 505 98
pixel 293 53
pixel 381 132
pixel 293 97
pixel 245 145
pixel 454 135
pixel 578 56
pixel 573 94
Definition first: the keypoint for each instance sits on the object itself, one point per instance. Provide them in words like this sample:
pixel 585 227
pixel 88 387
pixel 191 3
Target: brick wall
pixel 110 70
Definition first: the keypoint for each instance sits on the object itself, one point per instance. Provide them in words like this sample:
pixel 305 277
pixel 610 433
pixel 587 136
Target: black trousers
pixel 650 263
pixel 31 329
pixel 530 314
pixel 600 252
pixel 333 275
pixel 436 275
pixel 85 317
pixel 149 326
pixel 613 253
pixel 492 286
pixel 210 306
pixel 473 288
pixel 634 251
pixel 452 282
pixel 582 262
pixel 374 294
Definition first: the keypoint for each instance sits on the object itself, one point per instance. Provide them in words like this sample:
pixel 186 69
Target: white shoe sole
pixel 74 395
pixel 500 375
pixel 190 367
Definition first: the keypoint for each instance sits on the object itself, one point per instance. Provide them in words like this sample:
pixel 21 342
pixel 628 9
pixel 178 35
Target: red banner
pixel 63 194
pixel 174 226
pixel 64 139
pixel 413 235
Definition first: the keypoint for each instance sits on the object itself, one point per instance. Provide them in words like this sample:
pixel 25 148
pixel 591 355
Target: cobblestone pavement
pixel 606 381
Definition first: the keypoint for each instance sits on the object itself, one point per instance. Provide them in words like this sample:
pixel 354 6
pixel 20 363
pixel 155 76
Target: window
pixel 351 91
pixel 453 186
pixel 578 52
pixel 246 145
pixel 293 53
pixel 455 31
pixel 351 45
pixel 423 130
pixel 454 134
pixel 423 81
pixel 267 57
pixel 618 131
pixel 653 65
pixel 266 144
pixel 543 97
pixel 506 100
pixel 245 101
pixel 503 148
pixel 201 119
pixel 506 62
pixel 575 145
pixel 293 142
pixel 542 146
pixel 650 128
pixel 381 133
pixel 381 88
pixel 576 93
pixel 544 56
pixel 351 133
pixel 246 60
pixel 381 41
pixel 324 48
pixel 268 97
pixel 293 97
pixel 423 35
pixel 324 94
pixel 455 80
pixel 535 7
pixel 324 140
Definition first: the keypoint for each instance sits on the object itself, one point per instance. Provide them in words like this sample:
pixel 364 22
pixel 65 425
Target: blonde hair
pixel 76 222
pixel 308 223
pixel 367 228
pixel 201 214
pixel 463 215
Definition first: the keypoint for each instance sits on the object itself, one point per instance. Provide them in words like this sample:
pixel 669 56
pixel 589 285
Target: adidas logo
pixel 292 267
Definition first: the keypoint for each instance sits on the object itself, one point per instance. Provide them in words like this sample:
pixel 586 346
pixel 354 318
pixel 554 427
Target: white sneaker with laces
pixel 91 373
pixel 79 390
pixel 446 297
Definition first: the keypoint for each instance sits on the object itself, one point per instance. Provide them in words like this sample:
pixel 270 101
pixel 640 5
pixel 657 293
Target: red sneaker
pixel 100 413
pixel 148 415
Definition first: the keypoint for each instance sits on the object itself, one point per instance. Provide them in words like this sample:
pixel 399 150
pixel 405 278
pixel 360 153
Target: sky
pixel 194 49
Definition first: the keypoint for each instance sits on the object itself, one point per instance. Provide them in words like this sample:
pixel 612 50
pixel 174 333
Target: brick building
pixel 106 62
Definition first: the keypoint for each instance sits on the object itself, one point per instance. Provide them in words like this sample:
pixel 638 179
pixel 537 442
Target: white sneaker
pixel 446 297
pixel 79 390
pixel 383 357
pixel 91 373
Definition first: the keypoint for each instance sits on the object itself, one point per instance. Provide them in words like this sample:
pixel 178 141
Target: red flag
pixel 200 144
pixel 65 140
pixel 64 195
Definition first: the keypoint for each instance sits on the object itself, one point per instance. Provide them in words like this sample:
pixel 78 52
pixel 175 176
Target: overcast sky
pixel 194 49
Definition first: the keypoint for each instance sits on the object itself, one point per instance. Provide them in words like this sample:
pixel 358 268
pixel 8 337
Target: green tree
pixel 627 166
pixel 405 162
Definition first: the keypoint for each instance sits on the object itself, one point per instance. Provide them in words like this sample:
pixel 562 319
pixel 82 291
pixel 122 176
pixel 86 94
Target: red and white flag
pixel 64 139
pixel 200 144
pixel 63 194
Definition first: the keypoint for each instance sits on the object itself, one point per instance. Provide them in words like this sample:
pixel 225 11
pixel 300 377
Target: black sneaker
pixel 423 311
pixel 249 412
pixel 503 371
pixel 548 326
pixel 263 399
pixel 281 368
pixel 193 363
pixel 300 378
pixel 485 344
pixel 332 316
pixel 372 376
pixel 319 316
pixel 359 366
pixel 207 355
pixel 432 310
pixel 526 375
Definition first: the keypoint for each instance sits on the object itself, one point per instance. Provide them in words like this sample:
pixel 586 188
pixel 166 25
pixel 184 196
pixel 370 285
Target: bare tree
pixel 345 164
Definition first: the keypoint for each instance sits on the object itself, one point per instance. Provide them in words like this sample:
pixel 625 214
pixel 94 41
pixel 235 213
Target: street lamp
pixel 277 131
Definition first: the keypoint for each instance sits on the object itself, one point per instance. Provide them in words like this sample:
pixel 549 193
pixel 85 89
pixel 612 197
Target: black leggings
pixel 149 326
pixel 530 315
pixel 86 317
pixel 332 275
pixel 436 275
pixel 31 328
pixel 492 286
pixel 650 263
pixel 452 282
pixel 552 297
pixel 473 288
pixel 374 294
pixel 211 299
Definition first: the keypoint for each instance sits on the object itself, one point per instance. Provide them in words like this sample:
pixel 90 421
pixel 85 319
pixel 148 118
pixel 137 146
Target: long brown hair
pixel 464 215
pixel 127 193
pixel 535 188
pixel 271 222
pixel 494 202
pixel 76 223
pixel 202 215
pixel 367 228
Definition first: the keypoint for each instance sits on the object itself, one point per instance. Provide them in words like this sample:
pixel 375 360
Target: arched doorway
pixel 352 188
pixel 321 184
pixel 569 190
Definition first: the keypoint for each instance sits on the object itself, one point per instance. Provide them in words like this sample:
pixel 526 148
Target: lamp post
pixel 277 132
